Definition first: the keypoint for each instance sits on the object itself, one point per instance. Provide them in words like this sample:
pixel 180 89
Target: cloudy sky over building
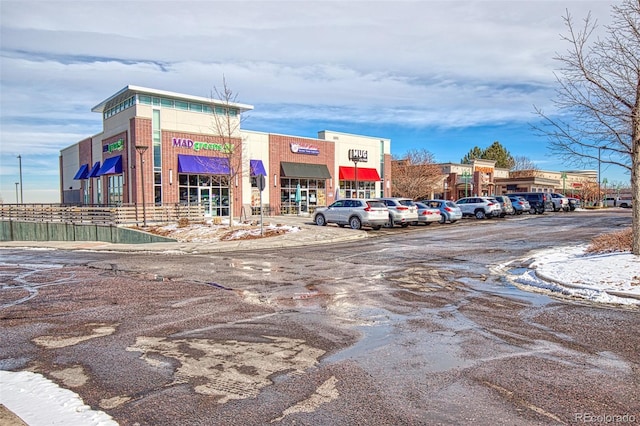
pixel 444 76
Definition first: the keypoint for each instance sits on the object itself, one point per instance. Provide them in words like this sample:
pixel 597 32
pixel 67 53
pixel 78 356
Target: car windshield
pixel 451 204
pixel 407 202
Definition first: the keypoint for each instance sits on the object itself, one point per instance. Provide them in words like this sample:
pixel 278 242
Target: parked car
pixel 355 212
pixel 449 211
pixel 539 202
pixel 617 202
pixel 402 211
pixel 560 202
pixel 505 205
pixel 574 203
pixel 480 207
pixel 427 214
pixel 520 204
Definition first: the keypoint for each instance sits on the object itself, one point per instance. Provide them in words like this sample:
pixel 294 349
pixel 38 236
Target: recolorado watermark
pixel 604 418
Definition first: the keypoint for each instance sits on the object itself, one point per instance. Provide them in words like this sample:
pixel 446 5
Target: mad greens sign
pixel 116 146
pixel 201 146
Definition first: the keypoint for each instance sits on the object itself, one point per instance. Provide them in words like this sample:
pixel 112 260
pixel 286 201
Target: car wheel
pixel 480 214
pixel 532 210
pixel 375 228
pixel 404 225
pixel 355 223
pixel 453 221
pixel 320 220
pixel 443 219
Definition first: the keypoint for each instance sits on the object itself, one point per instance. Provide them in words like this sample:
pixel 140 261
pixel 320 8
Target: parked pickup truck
pixel 618 202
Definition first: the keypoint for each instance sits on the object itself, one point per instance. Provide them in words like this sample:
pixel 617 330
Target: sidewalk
pixel 308 234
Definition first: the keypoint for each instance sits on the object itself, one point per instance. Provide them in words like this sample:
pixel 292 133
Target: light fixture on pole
pixel 20 168
pixel 600 148
pixel 357 156
pixel 466 175
pixel 141 150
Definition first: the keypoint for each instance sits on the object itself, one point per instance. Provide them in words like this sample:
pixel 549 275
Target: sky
pixel 609 278
pixel 443 76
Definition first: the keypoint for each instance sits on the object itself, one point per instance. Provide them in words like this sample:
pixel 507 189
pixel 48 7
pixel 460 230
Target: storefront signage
pixel 358 155
pixel 198 146
pixel 484 169
pixel 297 148
pixel 116 146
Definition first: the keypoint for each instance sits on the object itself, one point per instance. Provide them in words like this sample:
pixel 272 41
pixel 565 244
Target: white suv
pixel 402 211
pixel 480 207
pixel 354 212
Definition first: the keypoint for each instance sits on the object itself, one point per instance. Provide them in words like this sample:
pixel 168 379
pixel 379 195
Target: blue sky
pixel 444 76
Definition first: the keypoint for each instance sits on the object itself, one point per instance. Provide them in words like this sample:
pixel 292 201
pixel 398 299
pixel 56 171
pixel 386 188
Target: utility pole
pixel 20 168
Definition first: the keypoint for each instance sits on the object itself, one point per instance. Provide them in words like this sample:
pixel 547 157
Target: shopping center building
pixel 159 148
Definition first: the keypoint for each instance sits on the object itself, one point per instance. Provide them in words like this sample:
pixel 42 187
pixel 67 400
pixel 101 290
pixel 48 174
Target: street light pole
pixel 355 175
pixel 20 168
pixel 466 175
pixel 599 165
pixel 17 183
pixel 141 150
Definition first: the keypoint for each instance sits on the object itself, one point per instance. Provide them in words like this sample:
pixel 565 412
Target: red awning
pixel 364 174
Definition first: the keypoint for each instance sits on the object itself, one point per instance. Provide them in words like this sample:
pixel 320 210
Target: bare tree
pixel 226 125
pixel 521 162
pixel 416 175
pixel 599 88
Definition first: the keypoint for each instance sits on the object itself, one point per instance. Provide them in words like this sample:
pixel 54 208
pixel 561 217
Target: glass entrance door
pixel 304 200
pixel 204 198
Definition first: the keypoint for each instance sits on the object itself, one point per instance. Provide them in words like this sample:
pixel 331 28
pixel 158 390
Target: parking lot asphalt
pixel 308 234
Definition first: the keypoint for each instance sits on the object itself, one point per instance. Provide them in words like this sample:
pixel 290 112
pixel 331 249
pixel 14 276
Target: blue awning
pixel 94 170
pixel 82 173
pixel 111 166
pixel 203 165
pixel 257 168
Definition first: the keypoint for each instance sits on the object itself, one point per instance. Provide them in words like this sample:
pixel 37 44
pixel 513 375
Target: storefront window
pixel 114 189
pixel 365 189
pixel 210 191
pixel 312 194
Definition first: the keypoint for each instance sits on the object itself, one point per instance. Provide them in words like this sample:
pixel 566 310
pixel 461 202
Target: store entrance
pixel 204 198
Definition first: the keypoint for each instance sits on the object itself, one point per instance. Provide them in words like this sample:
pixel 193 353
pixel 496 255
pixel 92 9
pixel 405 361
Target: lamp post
pixel 17 183
pixel 141 150
pixel 600 148
pixel 466 175
pixel 357 155
pixel 20 168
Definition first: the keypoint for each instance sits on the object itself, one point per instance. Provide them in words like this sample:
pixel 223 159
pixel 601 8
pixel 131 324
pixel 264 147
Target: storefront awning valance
pixel 82 173
pixel 203 165
pixel 111 166
pixel 257 168
pixel 94 170
pixel 364 174
pixel 302 170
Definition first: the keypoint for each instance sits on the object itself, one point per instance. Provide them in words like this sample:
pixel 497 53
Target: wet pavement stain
pixel 231 369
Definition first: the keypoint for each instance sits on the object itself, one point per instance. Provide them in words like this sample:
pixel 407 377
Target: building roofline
pixel 164 93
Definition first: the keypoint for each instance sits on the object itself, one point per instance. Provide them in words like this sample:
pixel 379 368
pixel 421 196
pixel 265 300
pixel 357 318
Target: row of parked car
pixel 398 211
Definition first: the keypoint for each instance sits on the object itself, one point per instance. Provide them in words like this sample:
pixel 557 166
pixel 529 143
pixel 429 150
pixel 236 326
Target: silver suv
pixel 402 211
pixel 480 207
pixel 355 212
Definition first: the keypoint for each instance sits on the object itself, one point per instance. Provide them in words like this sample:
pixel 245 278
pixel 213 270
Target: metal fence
pixel 105 215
